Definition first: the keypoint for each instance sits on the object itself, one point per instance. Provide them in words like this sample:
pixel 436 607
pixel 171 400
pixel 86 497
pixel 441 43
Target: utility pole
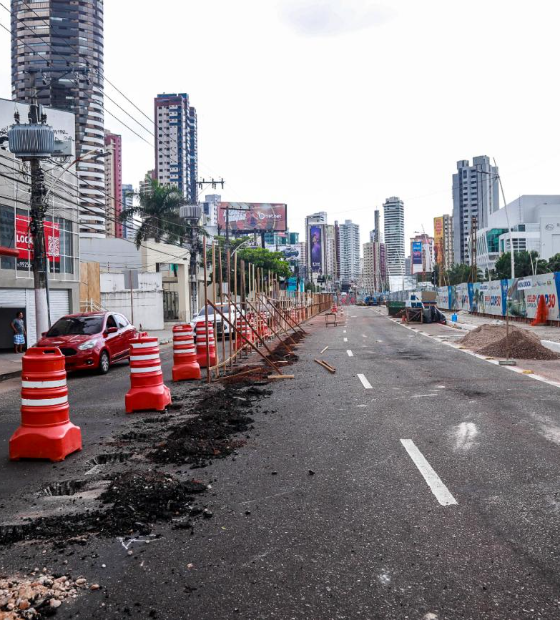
pixel 474 266
pixel 32 142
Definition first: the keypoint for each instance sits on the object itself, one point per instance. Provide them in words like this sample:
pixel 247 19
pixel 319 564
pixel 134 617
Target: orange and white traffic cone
pixel 147 391
pixel 46 431
pixel 185 363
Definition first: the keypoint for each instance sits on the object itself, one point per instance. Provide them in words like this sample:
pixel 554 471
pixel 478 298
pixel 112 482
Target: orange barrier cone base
pixel 186 372
pixel 149 398
pixel 54 443
pixel 202 362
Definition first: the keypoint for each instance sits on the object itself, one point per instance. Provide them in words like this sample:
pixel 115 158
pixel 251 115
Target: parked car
pixel 222 327
pixel 92 340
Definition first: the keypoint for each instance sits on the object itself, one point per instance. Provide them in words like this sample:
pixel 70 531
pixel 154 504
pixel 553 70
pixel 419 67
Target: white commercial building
pixel 349 252
pixel 535 224
pixel 393 211
pixel 61 226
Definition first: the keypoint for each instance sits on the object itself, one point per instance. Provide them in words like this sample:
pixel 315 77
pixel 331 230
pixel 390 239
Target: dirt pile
pixel 522 345
pixel 210 435
pixel 490 340
pixel 484 335
pixel 38 595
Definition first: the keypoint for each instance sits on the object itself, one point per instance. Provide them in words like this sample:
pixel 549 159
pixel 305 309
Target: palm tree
pixel 159 211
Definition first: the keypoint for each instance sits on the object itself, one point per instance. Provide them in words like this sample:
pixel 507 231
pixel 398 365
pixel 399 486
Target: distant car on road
pixel 222 327
pixel 91 340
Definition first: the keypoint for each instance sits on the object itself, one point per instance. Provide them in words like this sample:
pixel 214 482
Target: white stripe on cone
pixel 142 358
pixel 43 384
pixel 181 351
pixel 144 345
pixel 44 402
pixel 147 369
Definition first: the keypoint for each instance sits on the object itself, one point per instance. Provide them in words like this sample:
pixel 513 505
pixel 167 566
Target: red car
pixel 91 339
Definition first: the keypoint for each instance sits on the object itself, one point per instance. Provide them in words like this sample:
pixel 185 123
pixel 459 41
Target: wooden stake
pixel 273 366
pixel 208 371
pixel 326 366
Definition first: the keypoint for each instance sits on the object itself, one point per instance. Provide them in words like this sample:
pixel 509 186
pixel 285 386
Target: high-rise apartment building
pixel 349 252
pixel 113 185
pixel 130 226
pixel 177 144
pixel 321 250
pixel 57 54
pixel 443 241
pixel 393 217
pixel 475 195
pixel 421 254
pixel 146 181
pixel 375 267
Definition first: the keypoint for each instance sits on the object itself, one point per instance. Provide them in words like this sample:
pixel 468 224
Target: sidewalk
pixel 10 365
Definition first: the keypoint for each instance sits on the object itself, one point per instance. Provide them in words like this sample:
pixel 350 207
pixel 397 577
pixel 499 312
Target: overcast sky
pixel 337 104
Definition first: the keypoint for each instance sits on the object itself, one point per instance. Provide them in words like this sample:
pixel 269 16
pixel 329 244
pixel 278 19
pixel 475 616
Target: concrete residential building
pixel 421 254
pixel 393 212
pixel 113 184
pixel 61 43
pixel 535 224
pixel 443 241
pixel 349 252
pixel 475 194
pixel 374 278
pixel 321 250
pixel 177 144
pixel 130 226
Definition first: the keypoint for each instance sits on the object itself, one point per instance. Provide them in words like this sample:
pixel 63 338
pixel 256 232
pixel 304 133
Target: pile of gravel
pixel 490 340
pixel 484 335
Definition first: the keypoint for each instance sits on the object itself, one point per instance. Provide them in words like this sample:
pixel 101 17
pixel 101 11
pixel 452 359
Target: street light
pixel 507 219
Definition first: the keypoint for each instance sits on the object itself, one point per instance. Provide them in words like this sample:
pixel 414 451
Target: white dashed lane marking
pixel 365 382
pixel 435 483
pixel 350 354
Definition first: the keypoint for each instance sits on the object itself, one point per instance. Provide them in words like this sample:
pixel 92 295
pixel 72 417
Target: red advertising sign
pixel 251 216
pixel 24 243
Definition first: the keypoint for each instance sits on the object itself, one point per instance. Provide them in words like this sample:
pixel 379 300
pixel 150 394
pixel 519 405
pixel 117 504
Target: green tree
pixel 526 264
pixel 554 263
pixel 159 210
pixel 460 273
pixel 266 260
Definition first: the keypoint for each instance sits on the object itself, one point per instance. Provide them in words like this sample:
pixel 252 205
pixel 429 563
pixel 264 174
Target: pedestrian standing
pixel 18 326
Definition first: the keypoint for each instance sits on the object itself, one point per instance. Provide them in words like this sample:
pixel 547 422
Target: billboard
pixel 24 243
pixel 253 216
pixel 316 248
pixel 416 254
pixel 292 253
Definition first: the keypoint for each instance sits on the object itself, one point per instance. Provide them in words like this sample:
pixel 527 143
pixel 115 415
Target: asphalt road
pixel 435 494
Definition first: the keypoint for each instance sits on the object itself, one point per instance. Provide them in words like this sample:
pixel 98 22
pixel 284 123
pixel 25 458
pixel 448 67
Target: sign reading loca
pixel 253 216
pixel 24 243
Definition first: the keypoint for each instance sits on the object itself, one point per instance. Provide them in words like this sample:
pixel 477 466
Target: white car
pixel 221 326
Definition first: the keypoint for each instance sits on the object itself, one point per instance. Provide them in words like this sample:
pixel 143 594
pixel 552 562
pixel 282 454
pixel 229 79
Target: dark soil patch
pixel 133 502
pixel 198 441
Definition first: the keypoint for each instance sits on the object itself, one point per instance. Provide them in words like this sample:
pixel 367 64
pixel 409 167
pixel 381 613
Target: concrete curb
pixel 10 375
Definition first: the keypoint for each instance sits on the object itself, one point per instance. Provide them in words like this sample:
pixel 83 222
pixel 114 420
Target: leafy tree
pixel 159 210
pixel 460 273
pixel 266 260
pixel 554 263
pixel 526 264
